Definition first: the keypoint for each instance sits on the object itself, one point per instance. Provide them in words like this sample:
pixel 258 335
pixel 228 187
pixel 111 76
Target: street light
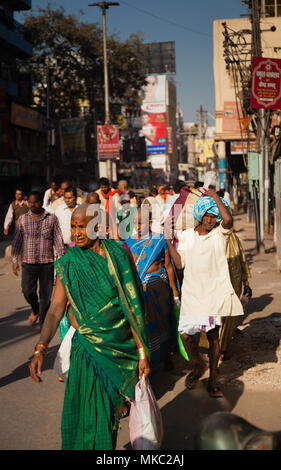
pixel 105 6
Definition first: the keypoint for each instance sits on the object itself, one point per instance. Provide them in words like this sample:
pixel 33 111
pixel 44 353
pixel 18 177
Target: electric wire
pixel 165 20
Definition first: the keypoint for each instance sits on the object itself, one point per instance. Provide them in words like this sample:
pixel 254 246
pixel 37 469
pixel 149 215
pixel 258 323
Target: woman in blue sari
pixel 150 252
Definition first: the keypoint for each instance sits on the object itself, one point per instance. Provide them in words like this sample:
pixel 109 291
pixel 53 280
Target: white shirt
pixel 207 289
pixel 64 214
pixel 58 202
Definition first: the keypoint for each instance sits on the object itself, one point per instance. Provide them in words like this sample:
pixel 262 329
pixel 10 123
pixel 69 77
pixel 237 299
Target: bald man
pixel 93 198
pixel 123 188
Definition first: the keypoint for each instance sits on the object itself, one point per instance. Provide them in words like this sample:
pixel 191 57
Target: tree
pixel 69 53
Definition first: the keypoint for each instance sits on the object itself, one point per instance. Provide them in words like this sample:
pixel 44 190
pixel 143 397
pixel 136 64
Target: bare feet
pixel 32 319
pixel 192 378
pixel 214 391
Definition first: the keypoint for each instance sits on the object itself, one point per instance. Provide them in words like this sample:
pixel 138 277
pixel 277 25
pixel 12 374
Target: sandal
pixel 214 392
pixel 32 319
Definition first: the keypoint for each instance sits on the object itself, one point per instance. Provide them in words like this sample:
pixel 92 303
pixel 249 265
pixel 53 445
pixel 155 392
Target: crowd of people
pixel 115 267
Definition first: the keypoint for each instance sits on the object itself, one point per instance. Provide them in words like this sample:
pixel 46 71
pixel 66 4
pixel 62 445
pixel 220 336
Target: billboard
pixel 154 91
pixel 154 115
pixel 108 142
pixel 159 57
pixel 266 83
pixel 154 127
pixel 72 141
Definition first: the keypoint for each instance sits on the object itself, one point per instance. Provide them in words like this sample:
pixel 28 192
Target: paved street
pixel 30 413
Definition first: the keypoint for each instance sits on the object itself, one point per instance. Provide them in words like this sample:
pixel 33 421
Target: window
pixel 272 7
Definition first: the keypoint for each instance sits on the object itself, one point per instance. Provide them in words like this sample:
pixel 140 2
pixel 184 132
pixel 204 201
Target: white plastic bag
pixel 145 423
pixel 62 361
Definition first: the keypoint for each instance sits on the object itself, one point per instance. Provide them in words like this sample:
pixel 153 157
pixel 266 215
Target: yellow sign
pixel 205 149
pixel 25 117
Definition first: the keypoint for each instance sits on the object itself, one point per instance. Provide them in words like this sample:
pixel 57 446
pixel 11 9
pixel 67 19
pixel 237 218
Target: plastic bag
pixel 145 423
pixel 62 361
pixel 181 347
pixel 64 325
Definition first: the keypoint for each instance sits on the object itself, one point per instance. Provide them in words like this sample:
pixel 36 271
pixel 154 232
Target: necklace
pixel 99 250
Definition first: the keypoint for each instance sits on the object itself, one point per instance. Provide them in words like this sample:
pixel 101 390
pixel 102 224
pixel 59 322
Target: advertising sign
pixel 108 142
pixel 154 128
pixel 205 149
pixel 72 140
pixel 24 117
pixel 266 83
pixel 154 91
pixel 169 139
pixel 154 115
pixel 237 147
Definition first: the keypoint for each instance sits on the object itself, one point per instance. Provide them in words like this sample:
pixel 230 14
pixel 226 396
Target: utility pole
pixel 254 6
pixel 105 6
pixel 48 159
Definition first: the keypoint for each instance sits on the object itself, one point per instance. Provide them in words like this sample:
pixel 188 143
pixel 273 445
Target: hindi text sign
pixel 266 83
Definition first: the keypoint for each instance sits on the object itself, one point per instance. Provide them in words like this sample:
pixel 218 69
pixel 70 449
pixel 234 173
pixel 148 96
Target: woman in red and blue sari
pixel 157 275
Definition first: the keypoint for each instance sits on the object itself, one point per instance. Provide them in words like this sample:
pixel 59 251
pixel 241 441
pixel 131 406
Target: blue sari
pixel 158 298
pixel 145 251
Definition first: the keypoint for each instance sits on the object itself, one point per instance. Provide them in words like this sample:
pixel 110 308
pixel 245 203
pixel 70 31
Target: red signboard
pixel 108 142
pixel 266 83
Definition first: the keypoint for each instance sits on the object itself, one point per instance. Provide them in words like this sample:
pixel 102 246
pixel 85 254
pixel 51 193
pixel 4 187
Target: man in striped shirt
pixel 37 235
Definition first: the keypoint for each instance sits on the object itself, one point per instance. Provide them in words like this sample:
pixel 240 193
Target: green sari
pixel 106 297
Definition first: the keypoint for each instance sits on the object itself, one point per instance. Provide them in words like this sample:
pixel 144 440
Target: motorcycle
pixel 227 431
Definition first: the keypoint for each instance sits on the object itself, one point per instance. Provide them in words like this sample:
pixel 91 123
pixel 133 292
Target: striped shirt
pixel 37 240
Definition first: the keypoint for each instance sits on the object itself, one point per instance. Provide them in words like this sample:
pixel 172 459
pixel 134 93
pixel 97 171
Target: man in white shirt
pixel 207 293
pixel 64 213
pixel 64 185
pixel 49 193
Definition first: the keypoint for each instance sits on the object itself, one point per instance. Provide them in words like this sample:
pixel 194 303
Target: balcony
pixel 13 33
pixel 16 5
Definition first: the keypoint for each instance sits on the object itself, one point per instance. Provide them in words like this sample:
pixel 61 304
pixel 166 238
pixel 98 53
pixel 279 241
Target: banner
pixel 266 83
pixel 169 139
pixel 205 149
pixel 72 140
pixel 108 142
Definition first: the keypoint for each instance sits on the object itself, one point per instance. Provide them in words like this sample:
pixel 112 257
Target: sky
pixel 187 22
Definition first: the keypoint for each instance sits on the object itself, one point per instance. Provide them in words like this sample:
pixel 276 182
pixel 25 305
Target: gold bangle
pixel 141 354
pixel 39 351
pixel 45 346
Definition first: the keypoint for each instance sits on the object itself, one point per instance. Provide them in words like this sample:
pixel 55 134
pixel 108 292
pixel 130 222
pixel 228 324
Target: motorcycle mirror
pixel 265 441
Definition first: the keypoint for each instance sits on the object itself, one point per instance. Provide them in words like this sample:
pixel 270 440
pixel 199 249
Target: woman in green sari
pixel 109 350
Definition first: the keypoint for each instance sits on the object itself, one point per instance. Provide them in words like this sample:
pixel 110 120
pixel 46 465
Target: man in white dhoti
pixel 207 293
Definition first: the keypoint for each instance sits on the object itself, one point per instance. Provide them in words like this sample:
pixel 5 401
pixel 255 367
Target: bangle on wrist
pixel 41 345
pixel 141 353
pixel 39 351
